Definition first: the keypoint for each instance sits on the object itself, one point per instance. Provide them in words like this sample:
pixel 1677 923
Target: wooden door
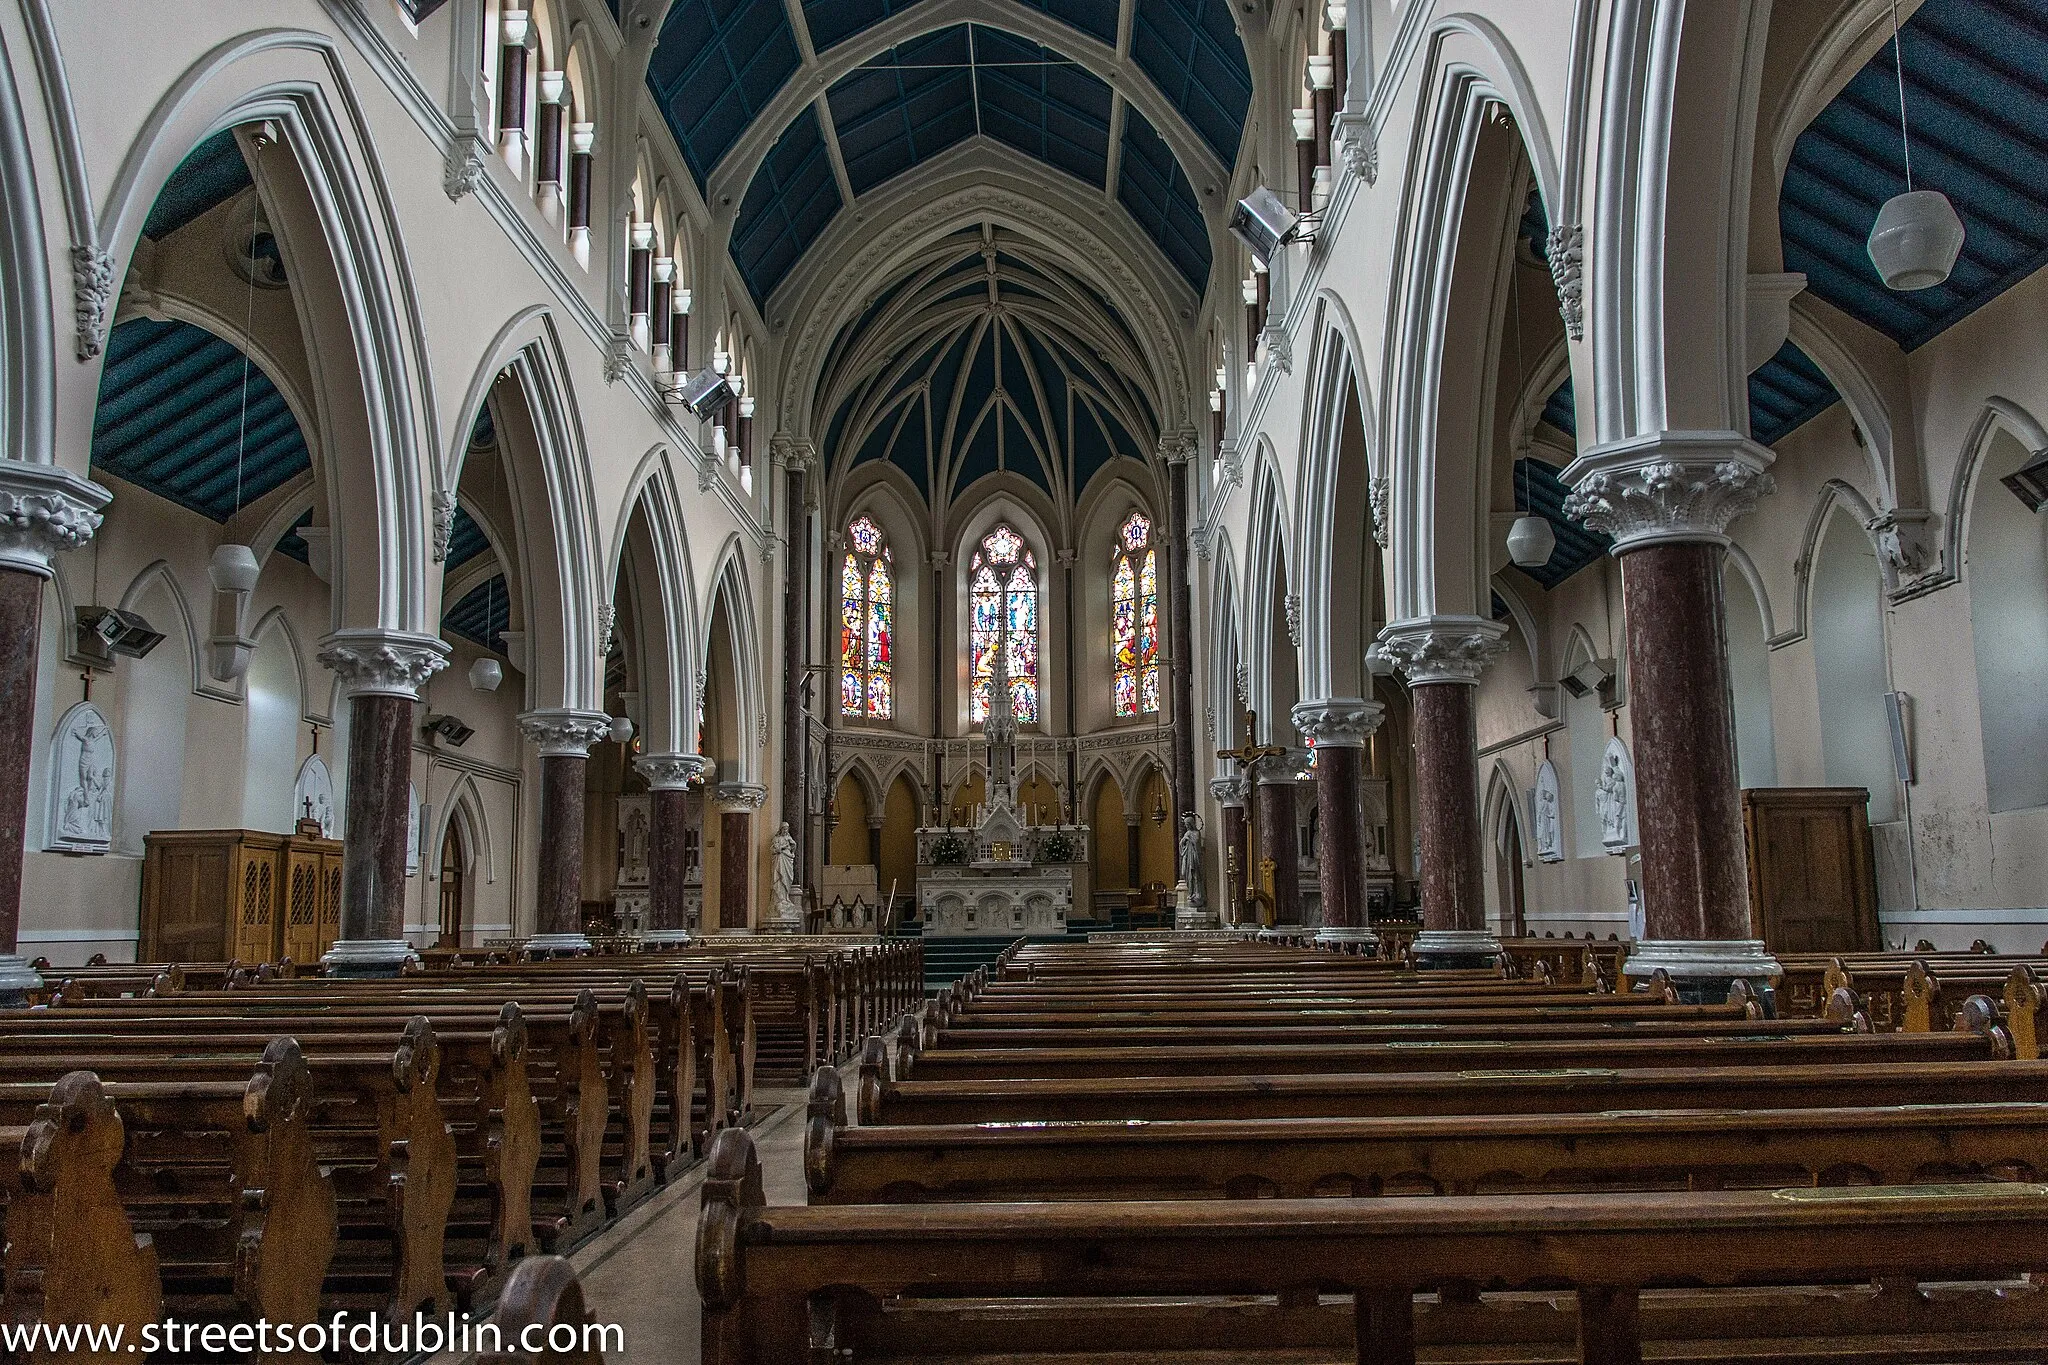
pixel 256 919
pixel 302 906
pixel 1812 877
pixel 451 889
pixel 1514 905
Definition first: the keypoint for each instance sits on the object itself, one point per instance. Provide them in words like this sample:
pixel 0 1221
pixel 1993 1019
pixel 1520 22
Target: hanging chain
pixel 248 326
pixel 1899 63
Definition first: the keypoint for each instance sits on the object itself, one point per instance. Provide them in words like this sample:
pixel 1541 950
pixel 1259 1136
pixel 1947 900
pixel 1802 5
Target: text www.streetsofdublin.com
pixel 342 1332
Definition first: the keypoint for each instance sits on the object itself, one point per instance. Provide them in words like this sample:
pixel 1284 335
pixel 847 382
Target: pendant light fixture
pixel 1532 538
pixel 1918 235
pixel 486 673
pixel 234 569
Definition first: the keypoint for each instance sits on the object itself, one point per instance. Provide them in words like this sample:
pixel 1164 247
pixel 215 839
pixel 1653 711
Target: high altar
pixel 1003 877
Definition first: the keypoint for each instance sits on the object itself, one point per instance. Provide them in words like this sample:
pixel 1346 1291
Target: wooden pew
pixel 542 1294
pixel 793 1284
pixel 1476 1153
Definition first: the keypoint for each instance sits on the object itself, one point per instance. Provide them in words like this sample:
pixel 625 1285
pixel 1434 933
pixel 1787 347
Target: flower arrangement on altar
pixel 949 850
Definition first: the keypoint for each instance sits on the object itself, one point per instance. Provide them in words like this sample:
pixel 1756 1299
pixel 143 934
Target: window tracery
pixel 1003 606
pixel 867 592
pixel 1134 619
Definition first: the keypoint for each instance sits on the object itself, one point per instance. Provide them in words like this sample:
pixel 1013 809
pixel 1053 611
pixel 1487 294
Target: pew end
pixel 542 1292
pixel 1846 1009
pixel 825 1116
pixel 2022 1012
pixel 872 1081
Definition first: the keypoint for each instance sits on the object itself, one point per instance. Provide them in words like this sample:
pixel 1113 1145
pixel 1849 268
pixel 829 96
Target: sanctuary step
pixel 946 960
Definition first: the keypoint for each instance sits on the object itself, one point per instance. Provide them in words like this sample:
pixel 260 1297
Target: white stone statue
pixel 1614 799
pixel 412 829
pixel 1545 805
pixel 783 847
pixel 82 782
pixel 1189 860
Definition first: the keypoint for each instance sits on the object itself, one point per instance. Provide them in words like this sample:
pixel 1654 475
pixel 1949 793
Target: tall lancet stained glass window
pixel 1002 584
pixel 1134 619
pixel 867 593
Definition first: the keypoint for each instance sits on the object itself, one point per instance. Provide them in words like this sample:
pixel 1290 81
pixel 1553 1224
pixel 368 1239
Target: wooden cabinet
pixel 1812 877
pixel 215 895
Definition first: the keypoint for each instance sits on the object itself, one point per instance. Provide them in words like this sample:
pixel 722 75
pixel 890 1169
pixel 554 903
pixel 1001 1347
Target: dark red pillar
pixel 1339 728
pixel 564 738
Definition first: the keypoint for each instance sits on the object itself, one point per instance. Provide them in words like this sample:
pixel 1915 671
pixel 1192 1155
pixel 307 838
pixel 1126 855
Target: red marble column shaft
pixel 21 625
pixel 1688 799
pixel 1180 616
pixel 1447 790
pixel 373 842
pixel 560 908
pixel 1280 840
pixel 668 864
pixel 1236 853
pixel 735 869
pixel 1340 860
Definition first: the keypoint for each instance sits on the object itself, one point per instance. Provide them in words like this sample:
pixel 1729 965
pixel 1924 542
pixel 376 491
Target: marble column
pixel 44 511
pixel 668 779
pixel 382 673
pixel 564 738
pixel 1180 461
pixel 1442 657
pixel 1667 502
pixel 1280 833
pixel 1235 845
pixel 795 459
pixel 1340 726
pixel 738 801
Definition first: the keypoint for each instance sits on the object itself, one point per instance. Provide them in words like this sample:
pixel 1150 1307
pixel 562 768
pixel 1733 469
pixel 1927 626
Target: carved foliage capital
pixel 746 796
pixel 565 733
pixel 1667 500
pixel 44 511
pixel 671 772
pixel 383 663
pixel 1444 649
pixel 1228 791
pixel 1338 722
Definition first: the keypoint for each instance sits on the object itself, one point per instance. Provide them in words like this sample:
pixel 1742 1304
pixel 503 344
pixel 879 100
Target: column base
pixel 655 938
pixel 1195 917
pixel 17 981
pixel 557 945
pixel 1455 949
pixel 367 957
pixel 1349 933
pixel 1704 971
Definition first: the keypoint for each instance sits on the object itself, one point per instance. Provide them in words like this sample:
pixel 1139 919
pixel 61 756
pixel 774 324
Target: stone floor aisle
pixel 640 1274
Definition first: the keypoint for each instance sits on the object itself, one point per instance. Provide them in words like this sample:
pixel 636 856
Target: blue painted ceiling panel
pixel 792 199
pixel 832 22
pixel 294 545
pixel 1562 412
pixel 1152 185
pixel 170 419
pixel 905 106
pixel 208 177
pixel 716 65
pixel 1786 393
pixel 1191 50
pixel 1977 100
pixel 1096 18
pixel 1041 103
pixel 482 616
pixel 466 540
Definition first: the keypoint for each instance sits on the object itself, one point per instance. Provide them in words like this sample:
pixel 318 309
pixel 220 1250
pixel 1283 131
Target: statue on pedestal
pixel 1189 861
pixel 783 848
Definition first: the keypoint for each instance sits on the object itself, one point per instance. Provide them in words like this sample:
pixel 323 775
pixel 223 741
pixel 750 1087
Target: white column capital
pixel 671 772
pixel 564 733
pixel 45 510
pixel 1281 768
pixel 738 796
pixel 1668 487
pixel 1228 791
pixel 1338 722
pixel 372 662
pixel 1443 649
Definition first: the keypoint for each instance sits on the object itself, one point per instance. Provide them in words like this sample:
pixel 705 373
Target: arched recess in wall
pixel 1111 865
pixel 1846 626
pixel 272 702
pixel 902 809
pixel 1338 554
pixel 156 691
pixel 1508 852
pixel 734 722
pixel 1586 734
pixel 1749 674
pixel 2006 565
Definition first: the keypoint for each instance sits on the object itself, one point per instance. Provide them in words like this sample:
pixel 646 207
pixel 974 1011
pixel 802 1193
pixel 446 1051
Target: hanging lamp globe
pixel 1530 542
pixel 486 674
pixel 233 568
pixel 1915 241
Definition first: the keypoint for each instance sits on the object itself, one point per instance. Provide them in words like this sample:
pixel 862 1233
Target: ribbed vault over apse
pixel 984 355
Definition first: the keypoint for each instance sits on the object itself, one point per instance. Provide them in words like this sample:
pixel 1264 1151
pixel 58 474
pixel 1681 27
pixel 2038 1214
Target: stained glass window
pixel 1134 619
pixel 1002 586
pixel 867 602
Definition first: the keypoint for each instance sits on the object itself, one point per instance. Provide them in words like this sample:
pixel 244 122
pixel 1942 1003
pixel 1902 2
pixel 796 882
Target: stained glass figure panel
pixel 867 590
pixel 1134 620
pixel 1003 603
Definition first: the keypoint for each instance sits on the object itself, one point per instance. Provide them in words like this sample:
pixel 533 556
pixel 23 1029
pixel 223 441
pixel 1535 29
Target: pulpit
pixel 218 895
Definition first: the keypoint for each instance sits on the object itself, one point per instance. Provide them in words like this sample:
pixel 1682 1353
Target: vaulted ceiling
pixel 1070 102
pixel 985 356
